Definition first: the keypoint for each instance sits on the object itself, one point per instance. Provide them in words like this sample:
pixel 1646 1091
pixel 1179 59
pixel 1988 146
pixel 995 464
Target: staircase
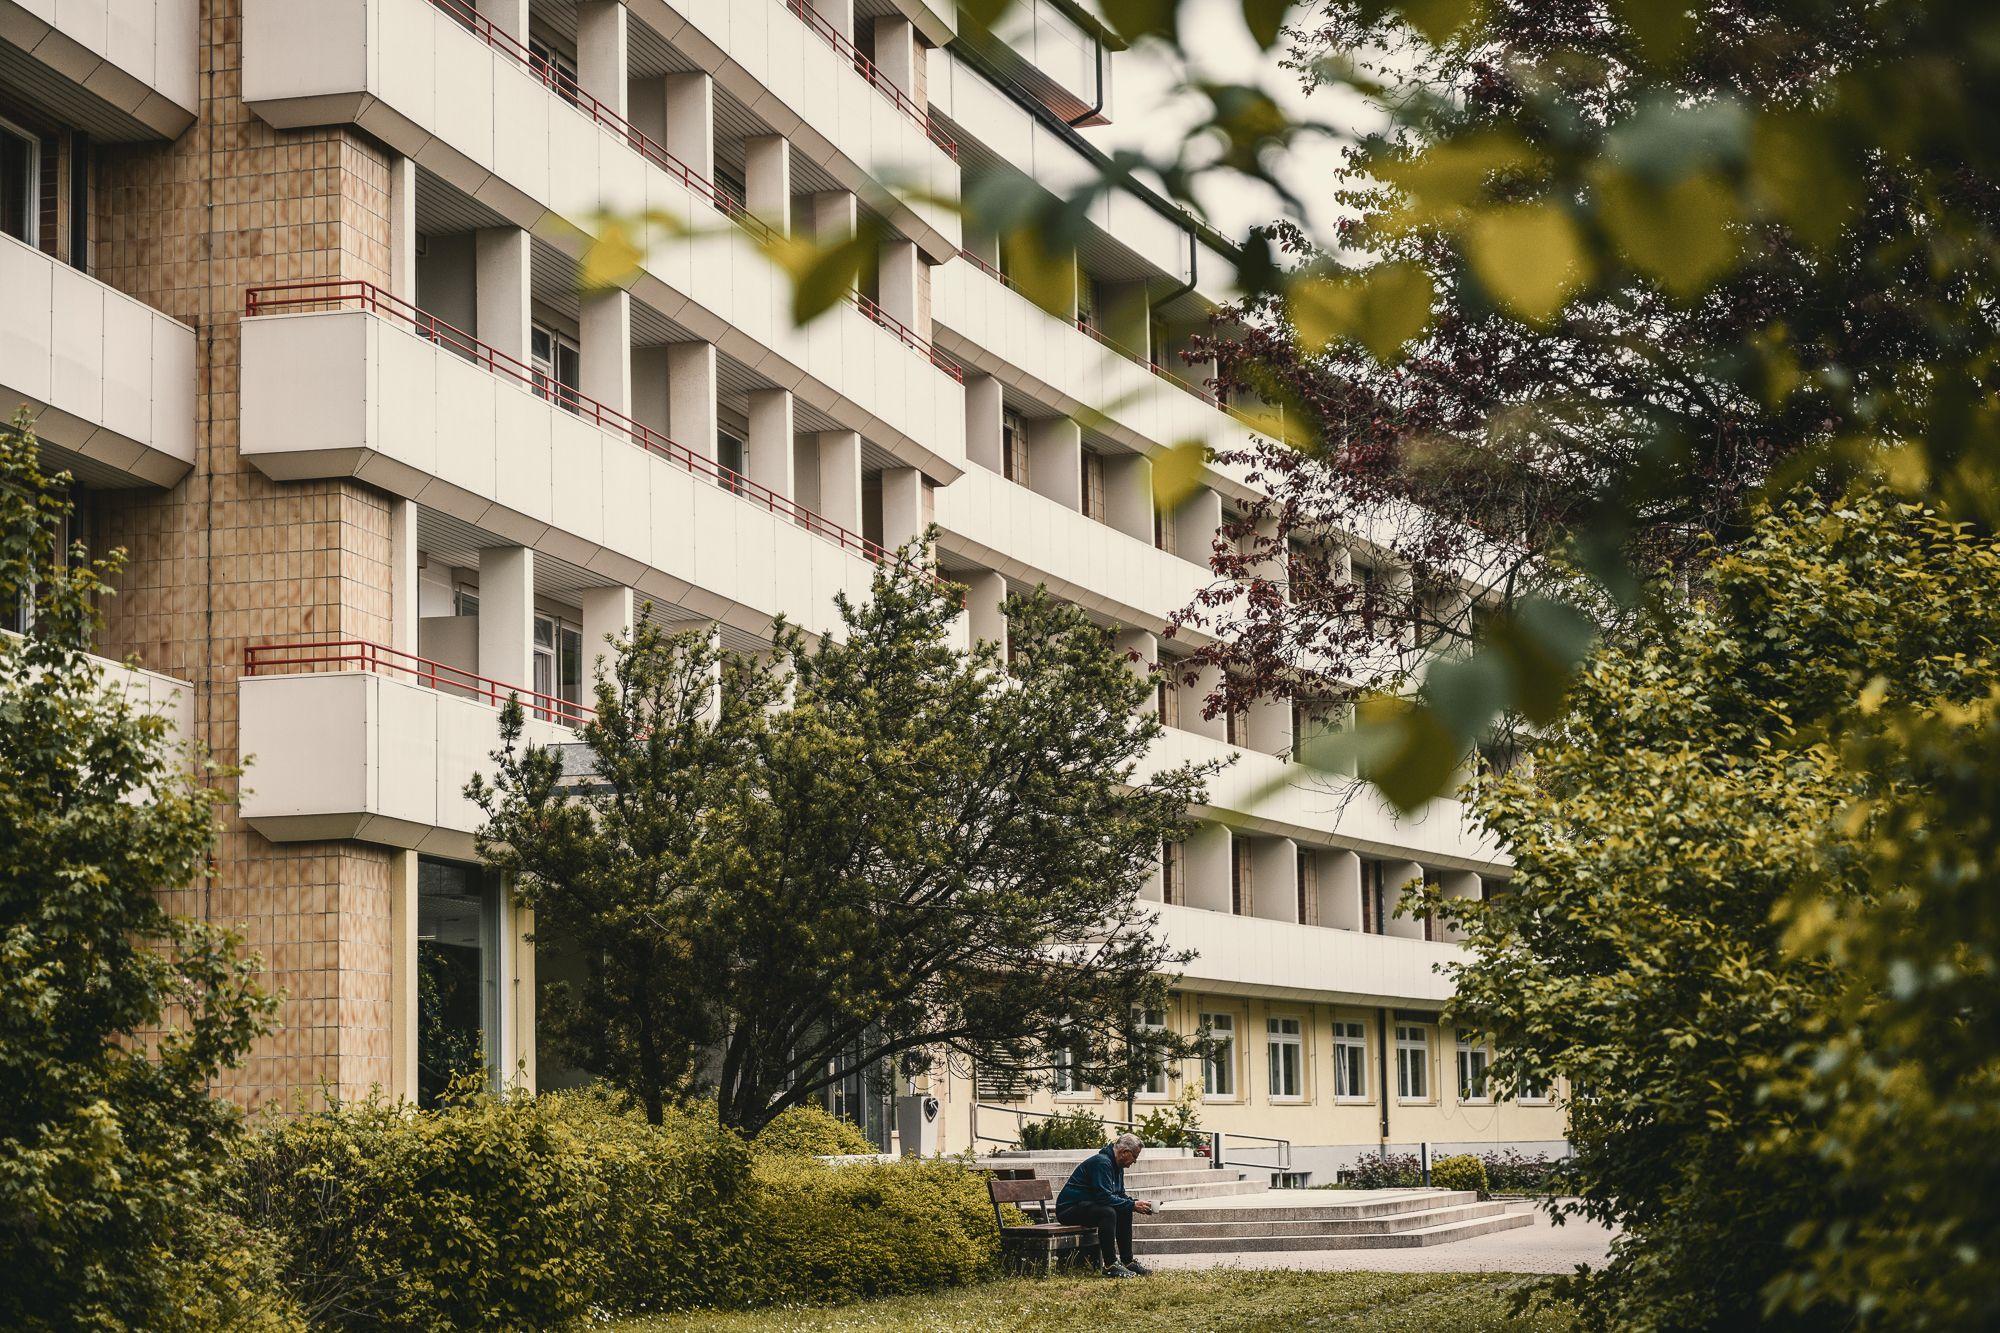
pixel 1324 1220
pixel 1166 1175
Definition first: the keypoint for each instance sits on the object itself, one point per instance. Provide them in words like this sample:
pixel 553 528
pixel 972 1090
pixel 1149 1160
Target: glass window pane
pixel 458 975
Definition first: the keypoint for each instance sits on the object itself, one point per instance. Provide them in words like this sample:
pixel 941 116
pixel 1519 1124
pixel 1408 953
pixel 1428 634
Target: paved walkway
pixel 1541 1248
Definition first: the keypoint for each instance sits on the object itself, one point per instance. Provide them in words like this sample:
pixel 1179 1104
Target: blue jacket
pixel 1097 1180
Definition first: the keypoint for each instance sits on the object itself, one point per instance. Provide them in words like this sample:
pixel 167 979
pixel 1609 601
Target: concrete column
pixel 403 228
pixel 767 180
pixel 1195 697
pixel 1147 648
pixel 1208 874
pixel 901 282
pixel 608 613
pixel 769 453
pixel 1464 884
pixel 985 413
pixel 403 575
pixel 1128 495
pixel 503 290
pixel 403 976
pixel 840 478
pixel 897 52
pixel 1274 870
pixel 1398 877
pixel 602 45
pixel 509 16
pixel 903 507
pixel 984 593
pixel 507 615
pixel 691 121
pixel 1126 319
pixel 604 342
pixel 835 215
pixel 840 13
pixel 1269 726
pixel 1340 889
pixel 1055 460
pixel 650 400
pixel 1195 524
pixel 691 413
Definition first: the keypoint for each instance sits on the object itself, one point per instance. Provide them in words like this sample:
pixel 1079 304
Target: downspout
pixel 1097 107
pixel 1382 1029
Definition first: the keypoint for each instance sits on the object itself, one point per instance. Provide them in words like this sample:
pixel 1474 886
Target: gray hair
pixel 1126 1143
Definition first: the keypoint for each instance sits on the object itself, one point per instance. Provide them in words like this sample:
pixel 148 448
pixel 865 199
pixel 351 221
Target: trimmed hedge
pixel 1460 1172
pixel 535 1212
pixel 811 1131
pixel 1073 1129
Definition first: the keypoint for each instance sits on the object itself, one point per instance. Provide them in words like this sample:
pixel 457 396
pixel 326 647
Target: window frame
pixel 31 193
pixel 1468 1053
pixel 1148 1092
pixel 1420 1047
pixel 1229 1059
pixel 1350 1036
pixel 1276 1040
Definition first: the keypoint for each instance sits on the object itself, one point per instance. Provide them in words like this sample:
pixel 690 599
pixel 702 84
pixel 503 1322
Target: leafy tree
pixel 1720 931
pixel 794 867
pixel 114 1013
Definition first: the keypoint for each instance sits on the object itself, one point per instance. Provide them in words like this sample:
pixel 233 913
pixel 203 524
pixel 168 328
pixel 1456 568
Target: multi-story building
pixel 294 289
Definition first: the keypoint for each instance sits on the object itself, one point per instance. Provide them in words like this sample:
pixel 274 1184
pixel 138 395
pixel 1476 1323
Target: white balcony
pixel 110 380
pixel 409 74
pixel 358 754
pixel 1248 955
pixel 121 69
pixel 347 393
pixel 1261 793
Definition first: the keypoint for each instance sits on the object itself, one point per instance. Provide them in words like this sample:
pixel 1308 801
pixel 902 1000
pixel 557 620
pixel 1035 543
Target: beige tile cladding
pixel 229 557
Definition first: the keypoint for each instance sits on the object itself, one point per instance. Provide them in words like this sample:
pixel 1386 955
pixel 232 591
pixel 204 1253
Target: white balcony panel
pixel 110 380
pixel 1249 955
pixel 356 755
pixel 345 393
pixel 794 80
pixel 1029 537
pixel 1261 793
pixel 121 69
pixel 407 73
pixel 992 329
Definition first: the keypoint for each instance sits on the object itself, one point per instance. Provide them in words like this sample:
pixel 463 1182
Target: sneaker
pixel 1116 1270
pixel 1136 1269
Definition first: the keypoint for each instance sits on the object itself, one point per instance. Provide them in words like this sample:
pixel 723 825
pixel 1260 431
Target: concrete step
pixel 1319 1205
pixel 1144 1243
pixel 1169 1227
pixel 1221 1189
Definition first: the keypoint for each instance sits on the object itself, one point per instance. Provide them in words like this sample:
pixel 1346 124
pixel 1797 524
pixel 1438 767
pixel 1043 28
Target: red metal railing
pixel 908 336
pixel 865 67
pixel 278 659
pixel 338 294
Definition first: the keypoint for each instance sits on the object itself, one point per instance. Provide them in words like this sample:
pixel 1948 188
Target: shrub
pixel 826 1234
pixel 1386 1171
pixel 1510 1172
pixel 477 1215
pixel 1177 1125
pixel 1460 1172
pixel 811 1131
pixel 1072 1129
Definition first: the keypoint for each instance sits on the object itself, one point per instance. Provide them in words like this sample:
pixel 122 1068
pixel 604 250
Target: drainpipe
pixel 1097 106
pixel 1382 1027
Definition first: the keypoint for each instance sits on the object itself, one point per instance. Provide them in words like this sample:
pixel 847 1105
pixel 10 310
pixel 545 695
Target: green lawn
pixel 1215 1299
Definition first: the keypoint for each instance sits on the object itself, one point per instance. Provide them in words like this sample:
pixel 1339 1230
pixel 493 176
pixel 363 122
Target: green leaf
pixel 1528 257
pixel 1542 643
pixel 1177 474
pixel 1417 752
pixel 1680 236
pixel 823 276
pixel 1266 20
pixel 1133 19
pixel 1440 20
pixel 1660 27
pixel 1799 174
pixel 1383 308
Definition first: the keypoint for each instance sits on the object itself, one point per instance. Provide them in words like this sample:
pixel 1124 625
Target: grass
pixel 1217 1299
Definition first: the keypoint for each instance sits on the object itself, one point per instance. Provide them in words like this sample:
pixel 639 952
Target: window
pixel 1163 529
pixel 558 662
pixel 1068 1061
pixel 1218 1067
pixel 729 454
pixel 1239 876
pixel 1350 1062
pixel 555 68
pixel 1413 1063
pixel 1371 897
pixel 558 366
pixel 465 601
pixel 1285 1045
pixel 1014 448
pixel 458 975
pixel 1152 1020
pixel 1093 485
pixel 1308 888
pixel 1236 727
pixel 1534 1089
pixel 20 183
pixel 1173 872
pixel 1170 701
pixel 1472 1060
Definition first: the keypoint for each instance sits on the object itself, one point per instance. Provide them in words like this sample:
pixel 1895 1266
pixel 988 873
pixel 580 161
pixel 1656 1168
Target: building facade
pixel 294 292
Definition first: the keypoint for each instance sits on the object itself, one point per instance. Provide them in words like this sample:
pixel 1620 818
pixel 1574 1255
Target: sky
pixel 1148 111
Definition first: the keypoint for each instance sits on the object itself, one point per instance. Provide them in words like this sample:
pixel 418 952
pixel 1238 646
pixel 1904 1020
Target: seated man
pixel 1094 1196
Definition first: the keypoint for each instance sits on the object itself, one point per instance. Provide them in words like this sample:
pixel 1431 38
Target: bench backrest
pixel 1036 1191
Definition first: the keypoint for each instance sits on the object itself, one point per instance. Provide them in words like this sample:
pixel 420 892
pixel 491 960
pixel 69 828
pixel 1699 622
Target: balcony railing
pixel 282 659
pixel 865 67
pixel 908 336
pixel 338 294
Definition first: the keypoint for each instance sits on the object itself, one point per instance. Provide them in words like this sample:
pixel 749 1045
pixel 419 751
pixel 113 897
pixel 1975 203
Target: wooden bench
pixel 1038 1247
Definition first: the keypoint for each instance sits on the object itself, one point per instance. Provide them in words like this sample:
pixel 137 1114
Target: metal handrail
pixel 367 296
pixel 907 335
pixel 1019 1113
pixel 270 659
pixel 1218 1144
pixel 867 69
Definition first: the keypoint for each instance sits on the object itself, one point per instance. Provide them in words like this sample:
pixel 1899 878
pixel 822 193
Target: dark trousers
pixel 1114 1228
